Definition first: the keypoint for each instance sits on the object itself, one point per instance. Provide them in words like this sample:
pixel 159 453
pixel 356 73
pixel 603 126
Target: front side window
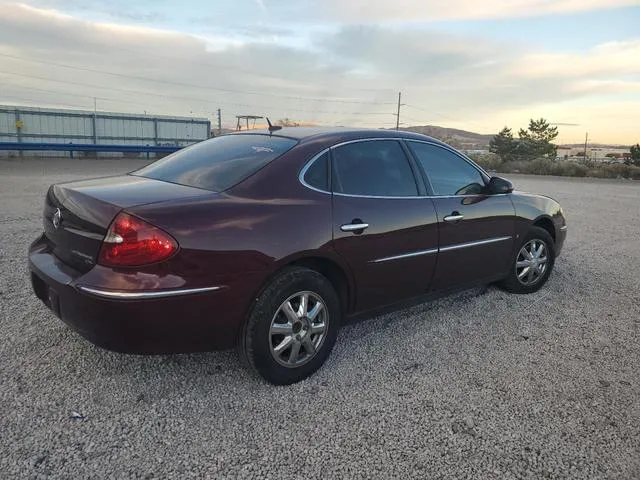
pixel 373 168
pixel 448 173
pixel 219 163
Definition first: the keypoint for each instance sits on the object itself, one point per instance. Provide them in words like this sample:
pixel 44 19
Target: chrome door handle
pixel 354 227
pixel 453 218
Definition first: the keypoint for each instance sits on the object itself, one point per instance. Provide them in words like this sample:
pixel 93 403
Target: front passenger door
pixel 383 225
pixel 475 229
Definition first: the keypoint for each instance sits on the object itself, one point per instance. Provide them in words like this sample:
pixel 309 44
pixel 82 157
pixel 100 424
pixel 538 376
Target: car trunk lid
pixel 78 214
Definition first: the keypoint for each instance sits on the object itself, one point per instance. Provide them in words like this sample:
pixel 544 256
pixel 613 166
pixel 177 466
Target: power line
pixel 146 53
pixel 412 119
pixel 431 112
pixel 105 99
pixel 446 117
pixel 178 97
pixel 191 85
pixel 61 104
pixel 55 103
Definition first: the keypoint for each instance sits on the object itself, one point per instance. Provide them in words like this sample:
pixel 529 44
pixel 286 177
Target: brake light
pixel 131 242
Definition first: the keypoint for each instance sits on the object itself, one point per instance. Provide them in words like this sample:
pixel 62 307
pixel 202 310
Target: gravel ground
pixel 482 384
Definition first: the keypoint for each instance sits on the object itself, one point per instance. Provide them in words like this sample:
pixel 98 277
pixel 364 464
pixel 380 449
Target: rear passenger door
pixel 383 224
pixel 475 229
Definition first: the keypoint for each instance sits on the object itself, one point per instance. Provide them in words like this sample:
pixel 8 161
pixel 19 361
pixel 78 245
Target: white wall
pixel 46 125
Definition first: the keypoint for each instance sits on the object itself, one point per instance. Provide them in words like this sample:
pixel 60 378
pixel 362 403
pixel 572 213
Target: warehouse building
pixel 45 125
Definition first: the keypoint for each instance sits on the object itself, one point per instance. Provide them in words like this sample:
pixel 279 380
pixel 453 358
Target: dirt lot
pixel 482 384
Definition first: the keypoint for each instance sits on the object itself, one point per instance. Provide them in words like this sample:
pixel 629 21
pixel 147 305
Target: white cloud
pixel 333 11
pixel 612 58
pixel 456 80
pixel 262 6
pixel 420 10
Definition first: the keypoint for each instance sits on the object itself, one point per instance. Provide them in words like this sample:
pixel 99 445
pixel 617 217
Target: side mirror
pixel 500 185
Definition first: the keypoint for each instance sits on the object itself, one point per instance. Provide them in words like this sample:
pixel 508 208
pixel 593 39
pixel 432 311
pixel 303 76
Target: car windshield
pixel 220 163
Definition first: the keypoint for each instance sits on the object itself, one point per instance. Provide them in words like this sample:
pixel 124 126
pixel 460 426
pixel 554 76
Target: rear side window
pixel 448 173
pixel 219 163
pixel 317 176
pixel 376 168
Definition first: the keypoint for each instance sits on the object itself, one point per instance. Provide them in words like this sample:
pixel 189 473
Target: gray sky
pixel 459 63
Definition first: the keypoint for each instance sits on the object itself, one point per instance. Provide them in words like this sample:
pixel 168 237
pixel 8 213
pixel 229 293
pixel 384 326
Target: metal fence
pixel 29 128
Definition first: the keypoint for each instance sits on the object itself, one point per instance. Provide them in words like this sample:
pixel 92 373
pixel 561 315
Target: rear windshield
pixel 219 163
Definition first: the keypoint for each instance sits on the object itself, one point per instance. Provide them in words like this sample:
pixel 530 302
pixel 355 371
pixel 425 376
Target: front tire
pixel 292 327
pixel 532 264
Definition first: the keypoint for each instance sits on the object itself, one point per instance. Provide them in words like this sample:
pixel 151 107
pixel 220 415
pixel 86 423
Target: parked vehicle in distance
pixel 268 240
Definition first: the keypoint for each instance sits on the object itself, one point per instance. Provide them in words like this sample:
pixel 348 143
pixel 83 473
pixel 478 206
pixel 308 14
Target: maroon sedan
pixel 269 240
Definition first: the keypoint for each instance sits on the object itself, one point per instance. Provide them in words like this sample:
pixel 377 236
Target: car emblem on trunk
pixel 57 218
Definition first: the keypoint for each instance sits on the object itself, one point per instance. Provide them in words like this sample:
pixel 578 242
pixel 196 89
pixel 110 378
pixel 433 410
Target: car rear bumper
pixel 139 321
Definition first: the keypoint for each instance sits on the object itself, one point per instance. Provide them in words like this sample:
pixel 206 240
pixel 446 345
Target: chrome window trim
pixel 405 255
pixel 422 197
pixel 470 195
pixel 413 197
pixel 476 243
pixel 452 150
pixel 145 294
pixel 358 140
pixel 307 165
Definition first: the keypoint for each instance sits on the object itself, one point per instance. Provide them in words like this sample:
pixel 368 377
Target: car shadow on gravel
pixel 196 373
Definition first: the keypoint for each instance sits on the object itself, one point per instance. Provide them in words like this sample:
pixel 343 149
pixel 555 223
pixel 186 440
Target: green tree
pixel 536 141
pixel 635 154
pixel 503 144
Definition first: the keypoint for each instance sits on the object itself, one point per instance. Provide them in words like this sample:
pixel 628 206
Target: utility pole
pixel 398 114
pixel 219 122
pixel 586 137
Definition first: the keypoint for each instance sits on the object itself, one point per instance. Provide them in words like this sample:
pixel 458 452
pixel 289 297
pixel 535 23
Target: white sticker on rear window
pixel 263 149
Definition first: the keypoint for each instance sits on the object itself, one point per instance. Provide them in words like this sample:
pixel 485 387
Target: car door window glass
pixel 317 175
pixel 448 173
pixel 376 168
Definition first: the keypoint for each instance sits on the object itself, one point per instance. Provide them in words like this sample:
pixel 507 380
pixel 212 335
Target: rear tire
pixel 532 263
pixel 292 328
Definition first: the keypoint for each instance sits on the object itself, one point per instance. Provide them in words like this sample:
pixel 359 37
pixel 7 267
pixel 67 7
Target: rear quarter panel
pixel 251 230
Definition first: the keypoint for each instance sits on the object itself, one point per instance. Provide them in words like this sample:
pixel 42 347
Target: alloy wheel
pixel 532 262
pixel 298 329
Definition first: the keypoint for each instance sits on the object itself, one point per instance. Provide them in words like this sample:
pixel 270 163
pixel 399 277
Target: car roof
pixel 304 134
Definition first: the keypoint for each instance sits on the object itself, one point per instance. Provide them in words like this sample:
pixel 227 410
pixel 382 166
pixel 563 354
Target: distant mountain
pixel 453 136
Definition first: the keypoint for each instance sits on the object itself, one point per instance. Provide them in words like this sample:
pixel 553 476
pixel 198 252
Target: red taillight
pixel 132 242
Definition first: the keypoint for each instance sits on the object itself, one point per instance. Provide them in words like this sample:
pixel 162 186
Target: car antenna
pixel 273 128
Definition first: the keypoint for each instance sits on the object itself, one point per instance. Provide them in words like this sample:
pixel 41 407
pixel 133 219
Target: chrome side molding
pixel 406 255
pixel 443 249
pixel 473 244
pixel 130 295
